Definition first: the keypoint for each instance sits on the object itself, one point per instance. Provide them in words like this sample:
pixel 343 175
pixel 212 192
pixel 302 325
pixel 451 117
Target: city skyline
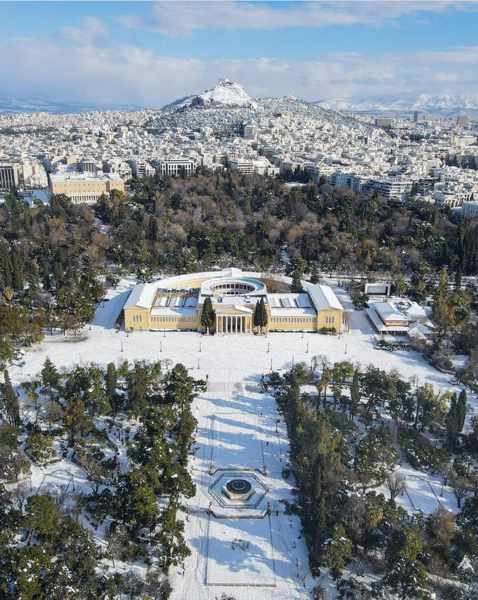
pixel 149 54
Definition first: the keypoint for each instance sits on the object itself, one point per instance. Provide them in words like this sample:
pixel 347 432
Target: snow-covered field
pixel 259 558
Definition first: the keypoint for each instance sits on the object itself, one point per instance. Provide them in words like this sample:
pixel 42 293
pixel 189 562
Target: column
pixel 243 321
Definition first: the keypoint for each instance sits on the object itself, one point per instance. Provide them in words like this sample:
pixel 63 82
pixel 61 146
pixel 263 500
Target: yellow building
pixel 176 304
pixel 84 188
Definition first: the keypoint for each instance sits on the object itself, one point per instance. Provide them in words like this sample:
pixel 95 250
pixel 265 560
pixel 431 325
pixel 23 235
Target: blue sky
pixel 152 52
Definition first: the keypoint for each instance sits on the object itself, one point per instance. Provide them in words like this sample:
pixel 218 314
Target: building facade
pixel 84 188
pixel 8 177
pixel 176 166
pixel 176 304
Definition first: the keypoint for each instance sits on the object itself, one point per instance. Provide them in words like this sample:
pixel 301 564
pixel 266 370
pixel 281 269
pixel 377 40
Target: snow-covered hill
pixel 442 104
pixel 225 93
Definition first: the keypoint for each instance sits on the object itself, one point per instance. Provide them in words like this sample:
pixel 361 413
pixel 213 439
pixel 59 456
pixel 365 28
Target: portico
pixel 233 323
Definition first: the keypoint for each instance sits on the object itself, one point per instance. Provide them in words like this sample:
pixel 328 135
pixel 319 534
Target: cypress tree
pixel 260 318
pixel 461 411
pixel 9 402
pixel 208 315
pixel 111 382
pixel 455 420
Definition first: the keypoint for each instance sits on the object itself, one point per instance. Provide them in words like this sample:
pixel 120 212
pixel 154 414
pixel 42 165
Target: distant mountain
pixel 445 105
pixel 225 93
pixel 28 105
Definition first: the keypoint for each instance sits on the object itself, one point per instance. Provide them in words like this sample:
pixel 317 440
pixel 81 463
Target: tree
pixel 296 285
pixel 455 419
pixel 111 384
pixel 42 516
pixel 443 310
pixel 396 484
pixel 208 315
pixel 76 421
pixel 431 407
pixel 314 274
pixel 337 550
pixel 9 402
pixel 49 376
pixel 355 395
pixel 260 317
pixel 406 574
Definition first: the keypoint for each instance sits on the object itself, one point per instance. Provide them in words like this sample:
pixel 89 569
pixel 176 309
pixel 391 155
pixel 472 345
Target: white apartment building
pixel 393 188
pixel 8 177
pixel 175 166
pixel 141 168
pixel 242 165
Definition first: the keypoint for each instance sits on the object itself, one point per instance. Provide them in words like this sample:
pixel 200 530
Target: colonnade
pixel 232 324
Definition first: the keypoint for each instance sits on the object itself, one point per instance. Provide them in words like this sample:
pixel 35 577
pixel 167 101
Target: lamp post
pixel 160 346
pixel 307 349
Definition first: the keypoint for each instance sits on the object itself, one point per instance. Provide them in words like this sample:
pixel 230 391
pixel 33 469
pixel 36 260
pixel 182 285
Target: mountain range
pixel 230 94
pixel 445 105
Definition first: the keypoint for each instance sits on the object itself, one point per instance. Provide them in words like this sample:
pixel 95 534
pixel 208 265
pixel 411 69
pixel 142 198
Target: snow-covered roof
pixel 142 295
pixel 389 312
pixel 323 297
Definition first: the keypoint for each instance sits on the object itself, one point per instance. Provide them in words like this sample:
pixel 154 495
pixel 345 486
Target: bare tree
pixel 396 485
pixel 460 488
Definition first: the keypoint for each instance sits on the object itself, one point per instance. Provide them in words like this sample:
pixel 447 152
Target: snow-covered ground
pixel 250 557
pixel 237 428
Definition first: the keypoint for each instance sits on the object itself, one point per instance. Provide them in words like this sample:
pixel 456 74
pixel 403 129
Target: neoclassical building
pixel 176 303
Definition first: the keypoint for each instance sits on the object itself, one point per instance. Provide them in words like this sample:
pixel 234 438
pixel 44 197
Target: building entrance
pixel 233 324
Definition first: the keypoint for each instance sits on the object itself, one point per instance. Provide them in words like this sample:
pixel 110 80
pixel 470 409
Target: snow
pixel 245 433
pixel 424 492
pixel 240 553
pixel 225 93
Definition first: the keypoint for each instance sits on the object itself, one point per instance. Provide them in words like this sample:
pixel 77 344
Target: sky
pixel 150 53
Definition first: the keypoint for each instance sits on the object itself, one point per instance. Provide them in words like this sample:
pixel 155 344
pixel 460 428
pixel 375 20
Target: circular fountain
pixel 238 489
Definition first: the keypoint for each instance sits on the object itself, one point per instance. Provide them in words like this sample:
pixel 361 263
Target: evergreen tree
pixel 455 419
pixel 111 383
pixel 296 285
pixel 314 274
pixel 50 377
pixel 406 574
pixel 443 310
pixel 9 402
pixel 208 315
pixel 337 550
pixel 260 317
pixel 355 395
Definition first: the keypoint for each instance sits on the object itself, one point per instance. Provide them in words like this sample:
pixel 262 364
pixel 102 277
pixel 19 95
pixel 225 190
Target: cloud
pixel 129 74
pixel 183 18
pixel 92 31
